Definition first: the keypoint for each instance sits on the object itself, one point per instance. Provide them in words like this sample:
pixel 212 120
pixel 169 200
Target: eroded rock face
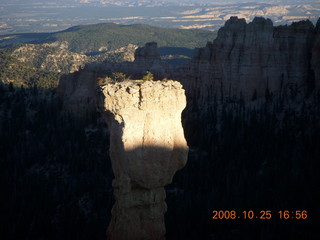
pixel 147 54
pixel 246 59
pixel 249 61
pixel 148 58
pixel 77 92
pixel 147 147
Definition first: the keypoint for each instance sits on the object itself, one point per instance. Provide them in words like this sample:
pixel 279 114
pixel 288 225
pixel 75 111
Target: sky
pixel 168 1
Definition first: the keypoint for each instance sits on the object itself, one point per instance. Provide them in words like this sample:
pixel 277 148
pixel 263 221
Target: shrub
pixel 119 76
pixel 148 77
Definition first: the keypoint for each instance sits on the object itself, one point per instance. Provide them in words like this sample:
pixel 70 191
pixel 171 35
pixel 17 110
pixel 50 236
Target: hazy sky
pixel 179 1
pixel 165 1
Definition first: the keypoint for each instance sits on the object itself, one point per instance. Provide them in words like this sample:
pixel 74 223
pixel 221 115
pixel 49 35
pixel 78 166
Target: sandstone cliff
pixel 147 146
pixel 246 59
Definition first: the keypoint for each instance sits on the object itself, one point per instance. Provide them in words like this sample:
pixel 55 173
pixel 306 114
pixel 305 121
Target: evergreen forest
pixel 55 179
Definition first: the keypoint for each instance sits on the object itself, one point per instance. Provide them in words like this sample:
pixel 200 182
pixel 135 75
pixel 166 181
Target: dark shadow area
pixel 176 61
pixel 55 179
pixel 96 53
pixel 176 51
pixel 246 158
pixel 175 56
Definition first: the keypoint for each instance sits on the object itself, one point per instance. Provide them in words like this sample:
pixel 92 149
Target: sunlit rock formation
pixel 147 147
pixel 247 58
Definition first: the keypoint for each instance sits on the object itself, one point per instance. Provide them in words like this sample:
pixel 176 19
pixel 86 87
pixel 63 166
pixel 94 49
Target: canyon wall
pixel 247 59
pixel 147 147
pixel 248 62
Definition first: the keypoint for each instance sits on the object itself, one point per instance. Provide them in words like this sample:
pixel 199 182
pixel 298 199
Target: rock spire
pixel 147 147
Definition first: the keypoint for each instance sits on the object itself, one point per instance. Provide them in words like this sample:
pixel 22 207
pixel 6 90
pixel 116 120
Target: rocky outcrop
pixel 76 90
pixel 77 93
pixel 249 61
pixel 147 147
pixel 246 59
pixel 147 55
pixel 147 58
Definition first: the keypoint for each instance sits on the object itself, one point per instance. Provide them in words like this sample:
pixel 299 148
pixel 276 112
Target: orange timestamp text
pixel 260 214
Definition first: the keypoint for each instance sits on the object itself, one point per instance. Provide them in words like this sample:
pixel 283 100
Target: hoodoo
pixel 147 147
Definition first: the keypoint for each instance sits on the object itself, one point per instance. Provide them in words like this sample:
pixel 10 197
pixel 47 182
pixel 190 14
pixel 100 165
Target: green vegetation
pixel 55 173
pixel 119 76
pixel 25 73
pixel 244 158
pixel 90 38
pixel 115 77
pixel 148 77
pixel 42 64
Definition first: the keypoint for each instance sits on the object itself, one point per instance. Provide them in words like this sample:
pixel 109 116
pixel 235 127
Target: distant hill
pixel 95 38
pixel 104 37
pixel 40 58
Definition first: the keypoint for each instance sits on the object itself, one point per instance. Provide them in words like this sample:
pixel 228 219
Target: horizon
pixel 39 16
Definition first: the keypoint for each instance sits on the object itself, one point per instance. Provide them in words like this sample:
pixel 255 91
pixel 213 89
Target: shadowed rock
pixel 315 62
pixel 147 147
pixel 148 54
pixel 249 58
